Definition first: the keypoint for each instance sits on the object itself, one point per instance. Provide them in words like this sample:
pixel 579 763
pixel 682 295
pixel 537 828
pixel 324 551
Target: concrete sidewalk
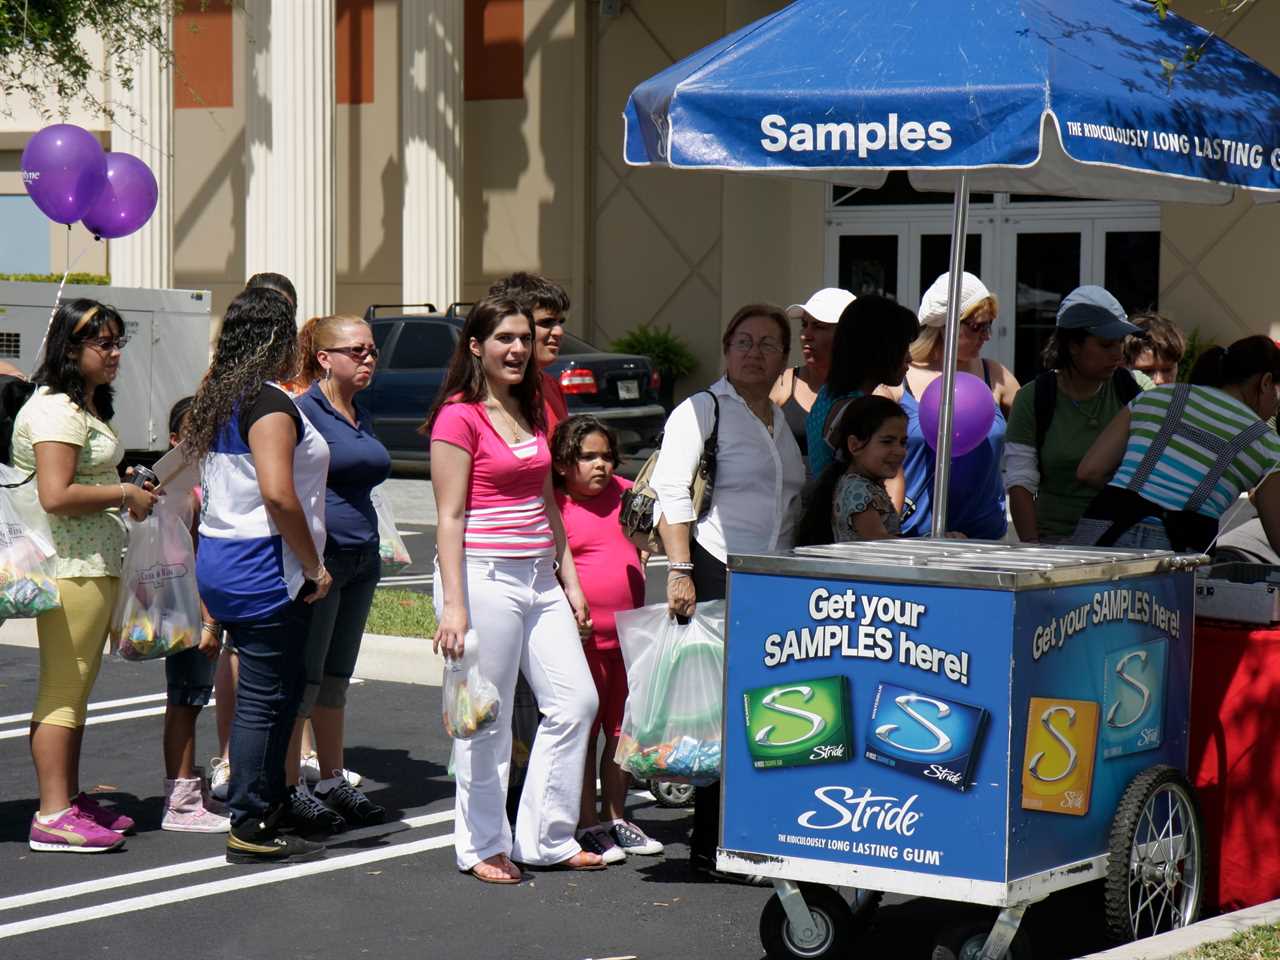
pixel 395 659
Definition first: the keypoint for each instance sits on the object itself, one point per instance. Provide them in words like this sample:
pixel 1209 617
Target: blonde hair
pixel 930 337
pixel 319 333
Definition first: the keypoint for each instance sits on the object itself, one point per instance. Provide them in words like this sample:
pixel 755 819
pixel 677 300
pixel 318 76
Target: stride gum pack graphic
pixel 1057 764
pixel 798 724
pixel 1133 699
pixel 933 738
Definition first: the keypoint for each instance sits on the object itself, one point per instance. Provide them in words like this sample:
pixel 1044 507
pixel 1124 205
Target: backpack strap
pixel 1046 399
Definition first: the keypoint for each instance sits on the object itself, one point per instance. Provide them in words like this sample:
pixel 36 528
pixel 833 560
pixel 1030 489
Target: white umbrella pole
pixel 942 473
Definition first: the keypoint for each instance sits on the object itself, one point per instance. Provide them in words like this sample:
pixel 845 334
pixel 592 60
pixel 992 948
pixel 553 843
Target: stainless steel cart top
pixel 966 563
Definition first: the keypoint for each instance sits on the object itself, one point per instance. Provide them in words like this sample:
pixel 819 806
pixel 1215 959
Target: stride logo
pixel 930 737
pixel 1057 764
pixel 798 724
pixel 1133 699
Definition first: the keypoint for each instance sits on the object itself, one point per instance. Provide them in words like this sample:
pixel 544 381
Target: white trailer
pixel 168 351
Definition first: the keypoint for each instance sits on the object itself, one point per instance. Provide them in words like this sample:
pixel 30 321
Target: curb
pixel 1176 942
pixel 382 657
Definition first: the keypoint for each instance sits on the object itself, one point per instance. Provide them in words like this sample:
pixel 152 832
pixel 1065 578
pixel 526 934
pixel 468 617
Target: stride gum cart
pixel 969 721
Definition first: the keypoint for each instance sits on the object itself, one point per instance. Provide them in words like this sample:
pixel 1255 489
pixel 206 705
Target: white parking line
pixel 70 890
pixel 229 885
pixel 99 718
pixel 100 705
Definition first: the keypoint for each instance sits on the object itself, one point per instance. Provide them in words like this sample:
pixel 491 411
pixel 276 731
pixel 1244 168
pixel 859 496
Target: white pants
pixel 523 621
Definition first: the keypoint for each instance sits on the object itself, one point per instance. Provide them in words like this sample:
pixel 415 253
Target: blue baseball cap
pixel 1092 308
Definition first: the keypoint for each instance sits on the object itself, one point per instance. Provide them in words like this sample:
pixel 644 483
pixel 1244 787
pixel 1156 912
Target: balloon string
pixel 58 297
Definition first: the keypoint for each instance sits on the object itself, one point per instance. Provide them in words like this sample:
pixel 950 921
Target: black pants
pixel 710 582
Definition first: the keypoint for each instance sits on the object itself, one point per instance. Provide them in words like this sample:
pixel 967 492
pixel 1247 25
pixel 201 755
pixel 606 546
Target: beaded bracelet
pixel 686 565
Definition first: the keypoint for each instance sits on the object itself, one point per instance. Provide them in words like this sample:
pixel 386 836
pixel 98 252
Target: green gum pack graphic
pixel 799 723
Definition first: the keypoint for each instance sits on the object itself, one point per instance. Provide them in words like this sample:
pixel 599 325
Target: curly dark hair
pixel 274 281
pixel 75 322
pixel 570 434
pixel 861 418
pixel 258 343
pixel 465 381
pixel 532 291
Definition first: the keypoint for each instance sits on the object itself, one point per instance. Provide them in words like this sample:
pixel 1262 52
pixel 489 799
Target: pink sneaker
pixel 72 833
pixel 104 817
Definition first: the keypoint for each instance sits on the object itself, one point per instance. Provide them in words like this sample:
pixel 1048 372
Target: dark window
pixel 380 333
pixel 423 345
pixel 1133 268
pixel 935 257
pixel 869 264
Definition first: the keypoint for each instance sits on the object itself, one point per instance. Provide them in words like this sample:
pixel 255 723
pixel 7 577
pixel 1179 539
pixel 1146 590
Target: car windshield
pixel 570 344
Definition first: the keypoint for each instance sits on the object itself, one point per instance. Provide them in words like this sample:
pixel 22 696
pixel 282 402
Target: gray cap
pixel 1092 308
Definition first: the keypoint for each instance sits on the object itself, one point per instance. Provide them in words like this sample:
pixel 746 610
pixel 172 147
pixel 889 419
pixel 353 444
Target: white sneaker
pixel 632 839
pixel 219 778
pixel 311 771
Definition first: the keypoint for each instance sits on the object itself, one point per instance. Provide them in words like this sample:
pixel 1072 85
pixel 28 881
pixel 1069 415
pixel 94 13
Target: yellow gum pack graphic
pixel 1057 764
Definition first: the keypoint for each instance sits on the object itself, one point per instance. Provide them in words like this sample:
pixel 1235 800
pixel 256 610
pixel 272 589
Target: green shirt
pixel 1075 425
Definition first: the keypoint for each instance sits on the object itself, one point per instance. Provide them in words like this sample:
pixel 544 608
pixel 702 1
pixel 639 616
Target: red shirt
pixel 553 403
pixel 607 564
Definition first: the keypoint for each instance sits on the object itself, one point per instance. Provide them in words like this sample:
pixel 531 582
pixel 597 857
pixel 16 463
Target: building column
pixel 431 106
pixel 145 257
pixel 257 139
pixel 303 238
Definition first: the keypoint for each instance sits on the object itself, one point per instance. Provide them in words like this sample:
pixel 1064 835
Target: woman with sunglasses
pixel 338 361
pixel 64 435
pixel 977 501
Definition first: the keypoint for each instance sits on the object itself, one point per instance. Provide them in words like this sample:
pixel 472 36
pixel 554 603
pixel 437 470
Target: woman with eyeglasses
pixel 64 435
pixel 759 473
pixel 976 506
pixel 338 361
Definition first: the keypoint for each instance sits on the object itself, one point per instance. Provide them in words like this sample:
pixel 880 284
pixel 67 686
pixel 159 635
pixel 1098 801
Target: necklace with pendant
pixel 1091 415
pixel 516 432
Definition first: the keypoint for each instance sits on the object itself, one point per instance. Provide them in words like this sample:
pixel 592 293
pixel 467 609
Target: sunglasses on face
pixel 358 353
pixel 978 329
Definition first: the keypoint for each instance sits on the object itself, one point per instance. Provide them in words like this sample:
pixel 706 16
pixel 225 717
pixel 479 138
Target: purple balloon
pixel 973 413
pixel 128 200
pixel 64 170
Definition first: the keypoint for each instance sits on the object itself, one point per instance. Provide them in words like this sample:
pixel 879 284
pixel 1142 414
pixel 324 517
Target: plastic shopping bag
pixel 471 702
pixel 28 562
pixel 158 611
pixel 395 557
pixel 675 674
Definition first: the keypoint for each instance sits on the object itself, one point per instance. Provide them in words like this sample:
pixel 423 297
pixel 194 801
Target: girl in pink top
pixel 500 545
pixel 585 453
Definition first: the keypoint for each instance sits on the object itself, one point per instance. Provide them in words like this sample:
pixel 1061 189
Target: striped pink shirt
pixel 505 514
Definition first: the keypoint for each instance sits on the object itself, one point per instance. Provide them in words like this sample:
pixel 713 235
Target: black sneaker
pixel 260 843
pixel 304 814
pixel 351 805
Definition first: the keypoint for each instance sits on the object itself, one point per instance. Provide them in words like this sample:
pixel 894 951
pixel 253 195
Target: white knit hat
pixel 933 305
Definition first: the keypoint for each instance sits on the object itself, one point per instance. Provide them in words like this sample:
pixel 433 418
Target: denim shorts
pixel 189 678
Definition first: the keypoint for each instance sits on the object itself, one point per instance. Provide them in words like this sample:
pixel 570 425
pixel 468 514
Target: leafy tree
pixel 1191 55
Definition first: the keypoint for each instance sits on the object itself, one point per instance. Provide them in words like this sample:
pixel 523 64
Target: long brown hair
pixel 319 333
pixel 465 381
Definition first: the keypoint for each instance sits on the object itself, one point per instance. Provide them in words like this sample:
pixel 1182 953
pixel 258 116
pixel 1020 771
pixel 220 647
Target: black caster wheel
pixel 836 924
pixel 1155 875
pixel 964 941
pixel 669 794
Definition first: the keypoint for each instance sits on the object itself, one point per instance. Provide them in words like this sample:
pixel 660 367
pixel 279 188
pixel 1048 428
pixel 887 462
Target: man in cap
pixel 798 386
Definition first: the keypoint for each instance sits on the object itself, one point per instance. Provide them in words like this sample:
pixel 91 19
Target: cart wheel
pixel 670 794
pixel 964 941
pixel 837 923
pixel 1156 868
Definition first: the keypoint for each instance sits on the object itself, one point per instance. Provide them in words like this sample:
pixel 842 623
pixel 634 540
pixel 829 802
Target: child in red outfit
pixel 584 455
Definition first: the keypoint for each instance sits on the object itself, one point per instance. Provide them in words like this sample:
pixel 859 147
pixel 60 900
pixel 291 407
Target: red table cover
pixel 1235 727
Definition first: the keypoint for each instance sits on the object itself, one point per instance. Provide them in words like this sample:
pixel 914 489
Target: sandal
pixel 582 860
pixel 500 872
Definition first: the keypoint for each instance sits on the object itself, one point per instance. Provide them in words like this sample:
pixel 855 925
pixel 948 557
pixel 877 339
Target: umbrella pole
pixel 942 472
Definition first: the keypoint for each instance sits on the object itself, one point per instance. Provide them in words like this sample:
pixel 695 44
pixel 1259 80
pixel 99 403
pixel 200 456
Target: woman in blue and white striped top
pixel 1178 456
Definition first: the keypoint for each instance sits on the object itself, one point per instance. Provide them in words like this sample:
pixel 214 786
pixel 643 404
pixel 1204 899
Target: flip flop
pixel 570 865
pixel 498 879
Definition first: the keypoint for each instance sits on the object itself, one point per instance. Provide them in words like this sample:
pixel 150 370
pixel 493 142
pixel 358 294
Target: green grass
pixel 1259 943
pixel 401 613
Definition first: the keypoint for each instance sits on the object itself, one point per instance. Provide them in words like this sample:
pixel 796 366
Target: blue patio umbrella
pixel 1066 97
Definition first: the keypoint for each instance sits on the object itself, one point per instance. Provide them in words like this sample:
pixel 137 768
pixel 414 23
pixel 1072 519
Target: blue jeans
pixel 337 626
pixel 189 678
pixel 271 677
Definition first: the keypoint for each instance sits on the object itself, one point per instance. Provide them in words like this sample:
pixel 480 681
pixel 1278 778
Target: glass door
pixel 1045 261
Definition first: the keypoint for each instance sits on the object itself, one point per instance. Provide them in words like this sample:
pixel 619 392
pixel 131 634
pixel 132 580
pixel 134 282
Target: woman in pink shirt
pixel 500 545
pixel 584 454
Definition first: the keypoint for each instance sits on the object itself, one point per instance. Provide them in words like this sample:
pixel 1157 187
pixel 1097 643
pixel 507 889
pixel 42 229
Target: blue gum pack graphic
pixel 782 630
pixel 1133 698
pixel 923 735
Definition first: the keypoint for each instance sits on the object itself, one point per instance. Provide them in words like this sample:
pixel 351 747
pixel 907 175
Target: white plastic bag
pixel 391 549
pixel 675 675
pixel 28 562
pixel 471 702
pixel 158 611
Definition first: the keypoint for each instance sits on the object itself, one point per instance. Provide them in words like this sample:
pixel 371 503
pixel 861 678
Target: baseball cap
pixel 933 305
pixel 825 306
pixel 1094 309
